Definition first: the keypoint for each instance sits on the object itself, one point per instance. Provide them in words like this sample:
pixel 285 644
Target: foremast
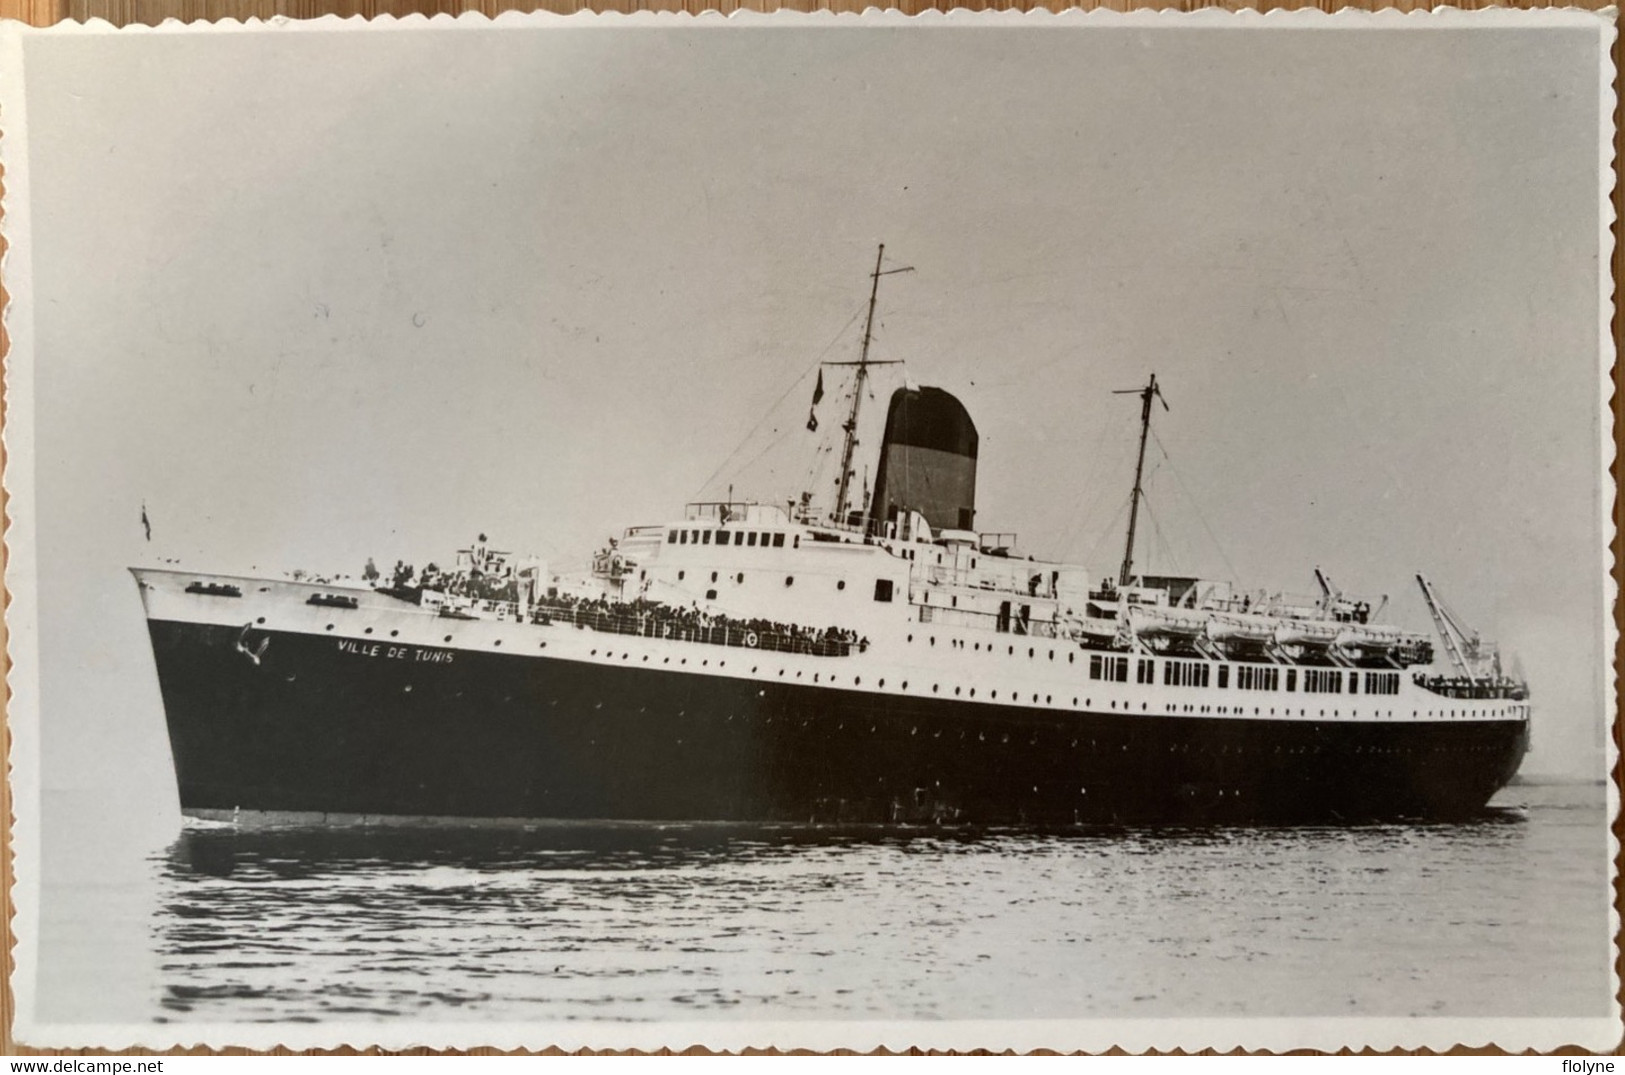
pixel 863 363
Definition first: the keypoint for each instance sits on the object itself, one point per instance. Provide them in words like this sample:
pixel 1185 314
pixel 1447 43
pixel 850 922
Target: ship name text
pixel 396 653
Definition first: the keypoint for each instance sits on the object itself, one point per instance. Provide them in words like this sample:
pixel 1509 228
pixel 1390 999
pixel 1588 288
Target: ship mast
pixel 1145 395
pixel 863 364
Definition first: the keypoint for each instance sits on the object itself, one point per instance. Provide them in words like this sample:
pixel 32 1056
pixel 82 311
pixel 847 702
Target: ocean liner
pixel 882 659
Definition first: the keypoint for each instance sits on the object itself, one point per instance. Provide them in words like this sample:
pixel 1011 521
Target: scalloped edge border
pixel 1091 1035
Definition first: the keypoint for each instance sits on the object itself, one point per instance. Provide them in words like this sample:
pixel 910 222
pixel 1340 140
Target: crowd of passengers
pixel 655 619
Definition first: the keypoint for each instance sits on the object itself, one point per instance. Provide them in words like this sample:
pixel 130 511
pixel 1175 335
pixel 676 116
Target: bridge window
pixel 1145 671
pixel 778 541
pixel 1291 679
pixel 705 537
pixel 750 537
pixel 883 591
pixel 1354 683
pixel 671 537
pixel 764 539
pixel 710 595
pixel 1224 675
pixel 682 537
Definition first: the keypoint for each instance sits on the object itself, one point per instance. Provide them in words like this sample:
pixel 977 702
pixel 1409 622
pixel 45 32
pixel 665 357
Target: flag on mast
pixel 145 525
pixel 818 394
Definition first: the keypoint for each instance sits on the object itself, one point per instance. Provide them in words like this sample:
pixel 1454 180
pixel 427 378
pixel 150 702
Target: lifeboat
pixel 1234 630
pixel 1307 633
pixel 1166 623
pixel 1364 641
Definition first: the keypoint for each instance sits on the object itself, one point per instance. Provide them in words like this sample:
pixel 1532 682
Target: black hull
pixel 311 729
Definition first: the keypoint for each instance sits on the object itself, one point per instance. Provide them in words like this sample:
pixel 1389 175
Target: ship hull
pixel 289 722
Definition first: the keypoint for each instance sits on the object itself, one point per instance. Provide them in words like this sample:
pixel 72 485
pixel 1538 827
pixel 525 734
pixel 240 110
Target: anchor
pixel 258 651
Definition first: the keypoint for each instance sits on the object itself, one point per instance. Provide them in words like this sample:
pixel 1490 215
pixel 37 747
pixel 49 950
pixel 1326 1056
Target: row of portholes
pixel 367 631
pixel 1032 651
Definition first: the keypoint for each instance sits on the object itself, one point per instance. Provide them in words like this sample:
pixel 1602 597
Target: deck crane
pixel 1467 652
pixel 1340 604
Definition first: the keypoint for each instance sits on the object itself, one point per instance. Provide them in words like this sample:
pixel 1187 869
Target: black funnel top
pixel 928 460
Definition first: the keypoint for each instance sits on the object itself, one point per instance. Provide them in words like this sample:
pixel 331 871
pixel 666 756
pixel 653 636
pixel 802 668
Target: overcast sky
pixel 318 296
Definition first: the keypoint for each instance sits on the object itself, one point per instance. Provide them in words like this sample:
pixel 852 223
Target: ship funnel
pixel 927 460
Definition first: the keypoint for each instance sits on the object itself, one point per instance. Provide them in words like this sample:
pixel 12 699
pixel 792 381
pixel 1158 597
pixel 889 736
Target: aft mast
pixel 1145 395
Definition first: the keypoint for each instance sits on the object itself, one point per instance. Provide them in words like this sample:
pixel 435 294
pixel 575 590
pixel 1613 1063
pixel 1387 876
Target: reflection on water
pixel 1504 916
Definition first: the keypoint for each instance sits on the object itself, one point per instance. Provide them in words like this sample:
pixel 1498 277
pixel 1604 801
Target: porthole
pixel 789 580
pixel 498 642
pixel 260 620
pixel 905 684
pixel 956 692
pixel 393 634
pixel 329 627
pixel 680 575
pixel 448 639
pixel 740 578
pixel 857 681
pixel 840 584
pixel 934 688
pixel 882 683
pixel 368 631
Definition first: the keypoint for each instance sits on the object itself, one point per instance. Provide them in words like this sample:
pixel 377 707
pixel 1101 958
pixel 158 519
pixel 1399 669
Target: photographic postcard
pixel 966 531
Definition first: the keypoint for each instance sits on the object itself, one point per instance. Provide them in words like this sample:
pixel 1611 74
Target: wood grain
pixel 151 12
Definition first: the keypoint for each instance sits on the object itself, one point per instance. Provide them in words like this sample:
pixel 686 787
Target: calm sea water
pixel 1503 916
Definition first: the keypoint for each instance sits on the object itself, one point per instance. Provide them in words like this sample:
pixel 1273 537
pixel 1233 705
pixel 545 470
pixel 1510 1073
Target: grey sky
pixel 319 296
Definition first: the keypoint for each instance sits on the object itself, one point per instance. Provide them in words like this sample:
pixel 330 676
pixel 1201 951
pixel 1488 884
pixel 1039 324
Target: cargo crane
pixel 1471 657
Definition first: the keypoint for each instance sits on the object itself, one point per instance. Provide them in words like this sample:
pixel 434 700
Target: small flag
pixel 145 525
pixel 818 394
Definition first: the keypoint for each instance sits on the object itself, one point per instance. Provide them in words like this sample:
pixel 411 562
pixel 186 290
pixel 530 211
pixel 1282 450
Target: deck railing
pixel 651 622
